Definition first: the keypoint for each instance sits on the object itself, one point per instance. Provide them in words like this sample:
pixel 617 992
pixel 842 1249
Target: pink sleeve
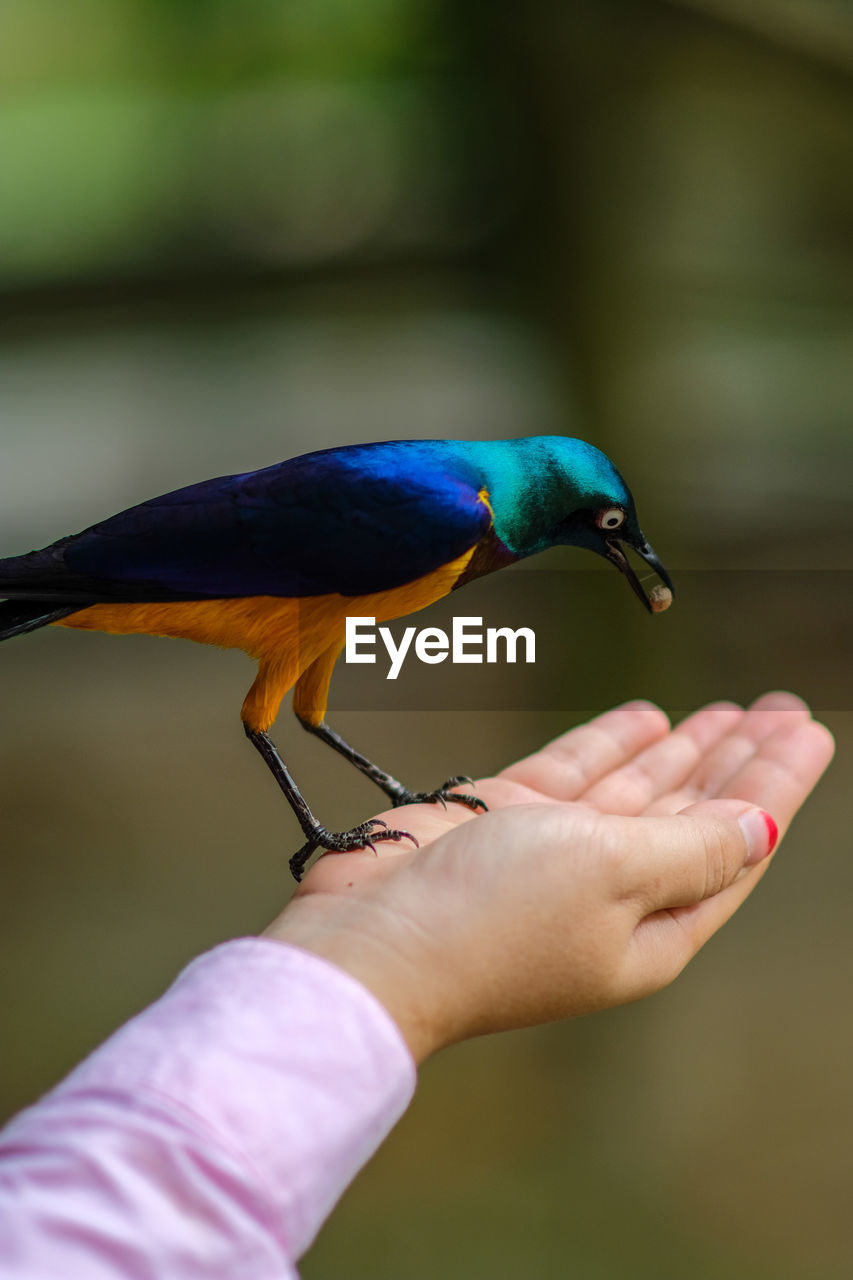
pixel 211 1135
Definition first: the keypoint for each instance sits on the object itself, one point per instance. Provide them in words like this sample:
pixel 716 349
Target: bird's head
pixel 574 496
pixel 609 526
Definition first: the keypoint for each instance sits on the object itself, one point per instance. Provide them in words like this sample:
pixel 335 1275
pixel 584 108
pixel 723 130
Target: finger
pixel 767 714
pixel 776 781
pixel 664 765
pixel 683 859
pixel 567 766
pixel 780 777
pixel 783 770
pixel 664 942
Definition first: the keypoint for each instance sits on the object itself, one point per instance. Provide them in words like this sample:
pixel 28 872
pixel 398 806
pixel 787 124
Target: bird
pixel 273 561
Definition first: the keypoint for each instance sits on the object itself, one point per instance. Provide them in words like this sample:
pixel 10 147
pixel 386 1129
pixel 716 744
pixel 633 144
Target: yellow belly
pixel 294 639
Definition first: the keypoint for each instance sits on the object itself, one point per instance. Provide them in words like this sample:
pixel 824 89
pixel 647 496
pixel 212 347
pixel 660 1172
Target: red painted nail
pixel 772 831
pixel 761 835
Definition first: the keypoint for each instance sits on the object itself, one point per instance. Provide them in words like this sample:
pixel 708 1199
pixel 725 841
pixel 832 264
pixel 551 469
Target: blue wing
pixel 351 520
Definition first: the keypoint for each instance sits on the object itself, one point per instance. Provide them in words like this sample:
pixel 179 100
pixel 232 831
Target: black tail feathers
pixel 17 617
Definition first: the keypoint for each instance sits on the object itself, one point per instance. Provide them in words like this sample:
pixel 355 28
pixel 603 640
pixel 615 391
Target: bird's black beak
pixel 616 555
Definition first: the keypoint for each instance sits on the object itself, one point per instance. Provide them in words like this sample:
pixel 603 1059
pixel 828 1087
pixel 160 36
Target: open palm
pixel 630 762
pixel 606 860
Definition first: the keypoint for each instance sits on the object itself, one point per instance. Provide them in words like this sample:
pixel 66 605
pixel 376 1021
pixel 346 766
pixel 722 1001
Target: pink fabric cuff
pixel 271 1058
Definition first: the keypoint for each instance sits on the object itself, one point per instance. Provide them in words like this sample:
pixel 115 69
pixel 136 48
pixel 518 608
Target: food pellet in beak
pixel 660 598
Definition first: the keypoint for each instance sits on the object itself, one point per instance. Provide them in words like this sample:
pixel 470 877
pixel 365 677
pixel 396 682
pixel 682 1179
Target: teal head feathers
pixel 548 491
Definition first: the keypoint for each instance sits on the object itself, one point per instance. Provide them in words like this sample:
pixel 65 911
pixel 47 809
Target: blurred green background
pixel 233 232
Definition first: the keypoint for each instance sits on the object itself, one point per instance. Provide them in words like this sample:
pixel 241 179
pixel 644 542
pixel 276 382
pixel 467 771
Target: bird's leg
pixel 394 790
pixel 365 835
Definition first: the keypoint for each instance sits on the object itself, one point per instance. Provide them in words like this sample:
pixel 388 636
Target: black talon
pixel 441 795
pixel 366 835
pixel 299 859
pixel 394 790
pixel 360 837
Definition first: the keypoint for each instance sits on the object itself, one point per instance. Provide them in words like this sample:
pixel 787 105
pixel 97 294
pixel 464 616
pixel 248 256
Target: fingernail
pixel 761 834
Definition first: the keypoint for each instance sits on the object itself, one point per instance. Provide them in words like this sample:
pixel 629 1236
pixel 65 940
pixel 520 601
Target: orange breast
pixel 287 635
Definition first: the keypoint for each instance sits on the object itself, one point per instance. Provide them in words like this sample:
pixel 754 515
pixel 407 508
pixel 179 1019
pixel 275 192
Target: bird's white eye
pixel 610 518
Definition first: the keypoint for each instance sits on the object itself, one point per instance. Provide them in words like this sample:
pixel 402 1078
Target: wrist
pixel 363 941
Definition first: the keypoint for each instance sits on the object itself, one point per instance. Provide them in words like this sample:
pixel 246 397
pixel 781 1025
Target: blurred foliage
pixel 277 133
pixel 230 233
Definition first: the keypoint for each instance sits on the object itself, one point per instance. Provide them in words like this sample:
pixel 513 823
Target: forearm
pixel 363 938
pixel 213 1133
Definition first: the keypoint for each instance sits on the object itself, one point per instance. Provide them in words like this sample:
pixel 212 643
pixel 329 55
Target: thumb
pixel 693 855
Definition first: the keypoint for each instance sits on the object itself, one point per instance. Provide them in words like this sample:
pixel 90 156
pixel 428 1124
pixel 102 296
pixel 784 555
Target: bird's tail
pixel 17 617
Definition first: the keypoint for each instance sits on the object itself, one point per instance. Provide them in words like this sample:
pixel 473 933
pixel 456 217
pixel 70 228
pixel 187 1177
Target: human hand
pixel 605 862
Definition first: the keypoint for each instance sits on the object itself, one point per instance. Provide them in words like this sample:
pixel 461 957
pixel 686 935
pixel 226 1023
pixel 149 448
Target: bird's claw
pixel 442 794
pixel 364 836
